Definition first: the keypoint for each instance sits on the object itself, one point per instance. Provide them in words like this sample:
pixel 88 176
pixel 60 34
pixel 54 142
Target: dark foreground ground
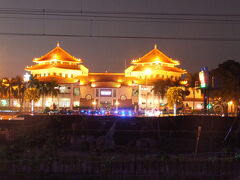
pixel 106 147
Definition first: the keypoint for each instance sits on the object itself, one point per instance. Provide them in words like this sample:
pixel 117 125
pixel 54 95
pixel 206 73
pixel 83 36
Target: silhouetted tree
pixel 227 81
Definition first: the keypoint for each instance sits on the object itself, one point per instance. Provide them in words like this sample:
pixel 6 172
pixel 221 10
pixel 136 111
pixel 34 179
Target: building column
pixel 139 96
pixel 71 96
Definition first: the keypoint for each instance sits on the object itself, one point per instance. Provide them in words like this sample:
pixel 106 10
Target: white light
pixel 26 77
pixel 106 93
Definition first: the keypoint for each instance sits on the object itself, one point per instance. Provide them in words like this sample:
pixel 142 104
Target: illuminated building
pixel 78 87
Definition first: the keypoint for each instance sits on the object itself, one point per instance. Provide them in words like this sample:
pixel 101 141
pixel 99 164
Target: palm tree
pixel 192 80
pixel 52 89
pixel 161 86
pixel 43 91
pixel 19 90
pixel 2 88
pixel 32 94
pixel 9 89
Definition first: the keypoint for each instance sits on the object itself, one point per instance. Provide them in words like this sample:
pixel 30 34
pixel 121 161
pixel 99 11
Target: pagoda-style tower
pixel 154 65
pixel 59 65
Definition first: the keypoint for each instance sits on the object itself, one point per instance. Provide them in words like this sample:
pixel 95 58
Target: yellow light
pixel 55 56
pixel 230 103
pixel 81 83
pixel 119 80
pixel 183 82
pixel 117 103
pixel 148 71
pixel 93 85
pixel 130 83
pixel 94 103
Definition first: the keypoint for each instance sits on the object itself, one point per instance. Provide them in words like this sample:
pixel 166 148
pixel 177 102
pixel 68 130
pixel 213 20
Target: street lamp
pixel 146 73
pixel 26 78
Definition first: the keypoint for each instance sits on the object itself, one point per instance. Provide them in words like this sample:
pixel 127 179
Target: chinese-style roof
pixel 58 79
pixel 57 53
pixel 155 56
pixel 54 65
pixel 107 79
pixel 161 68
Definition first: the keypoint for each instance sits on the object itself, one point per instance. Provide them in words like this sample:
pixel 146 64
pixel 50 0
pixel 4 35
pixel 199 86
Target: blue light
pixel 123 113
pixel 82 111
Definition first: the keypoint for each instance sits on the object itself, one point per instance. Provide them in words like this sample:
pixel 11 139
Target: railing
pixel 136 167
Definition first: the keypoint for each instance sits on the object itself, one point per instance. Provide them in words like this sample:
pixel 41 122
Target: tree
pixel 52 87
pixel 175 95
pixel 9 89
pixel 192 79
pixel 43 90
pixel 227 81
pixel 32 94
pixel 19 89
pixel 161 86
pixel 2 88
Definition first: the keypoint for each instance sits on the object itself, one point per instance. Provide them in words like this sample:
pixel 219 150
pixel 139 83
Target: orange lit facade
pixel 79 87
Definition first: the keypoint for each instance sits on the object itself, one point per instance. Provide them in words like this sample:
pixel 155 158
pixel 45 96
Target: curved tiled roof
pixel 58 79
pixel 59 54
pixel 162 68
pixel 56 65
pixel 155 56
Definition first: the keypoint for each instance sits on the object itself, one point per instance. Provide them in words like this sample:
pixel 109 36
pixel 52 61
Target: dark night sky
pixel 100 54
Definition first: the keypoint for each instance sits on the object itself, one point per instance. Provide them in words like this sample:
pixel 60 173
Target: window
pixel 64 102
pixel 76 91
pixel 64 89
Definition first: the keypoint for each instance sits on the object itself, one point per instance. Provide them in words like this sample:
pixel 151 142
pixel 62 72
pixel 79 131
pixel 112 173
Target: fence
pixel 228 167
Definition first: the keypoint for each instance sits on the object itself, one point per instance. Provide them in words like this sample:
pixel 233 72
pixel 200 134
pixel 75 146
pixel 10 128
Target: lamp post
pixel 146 72
pixel 204 83
pixel 117 104
pixel 26 78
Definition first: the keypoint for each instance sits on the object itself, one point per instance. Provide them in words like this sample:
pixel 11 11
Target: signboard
pixel 106 92
pixel 203 78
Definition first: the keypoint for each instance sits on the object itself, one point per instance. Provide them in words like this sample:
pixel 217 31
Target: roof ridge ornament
pixel 58 44
pixel 155 46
